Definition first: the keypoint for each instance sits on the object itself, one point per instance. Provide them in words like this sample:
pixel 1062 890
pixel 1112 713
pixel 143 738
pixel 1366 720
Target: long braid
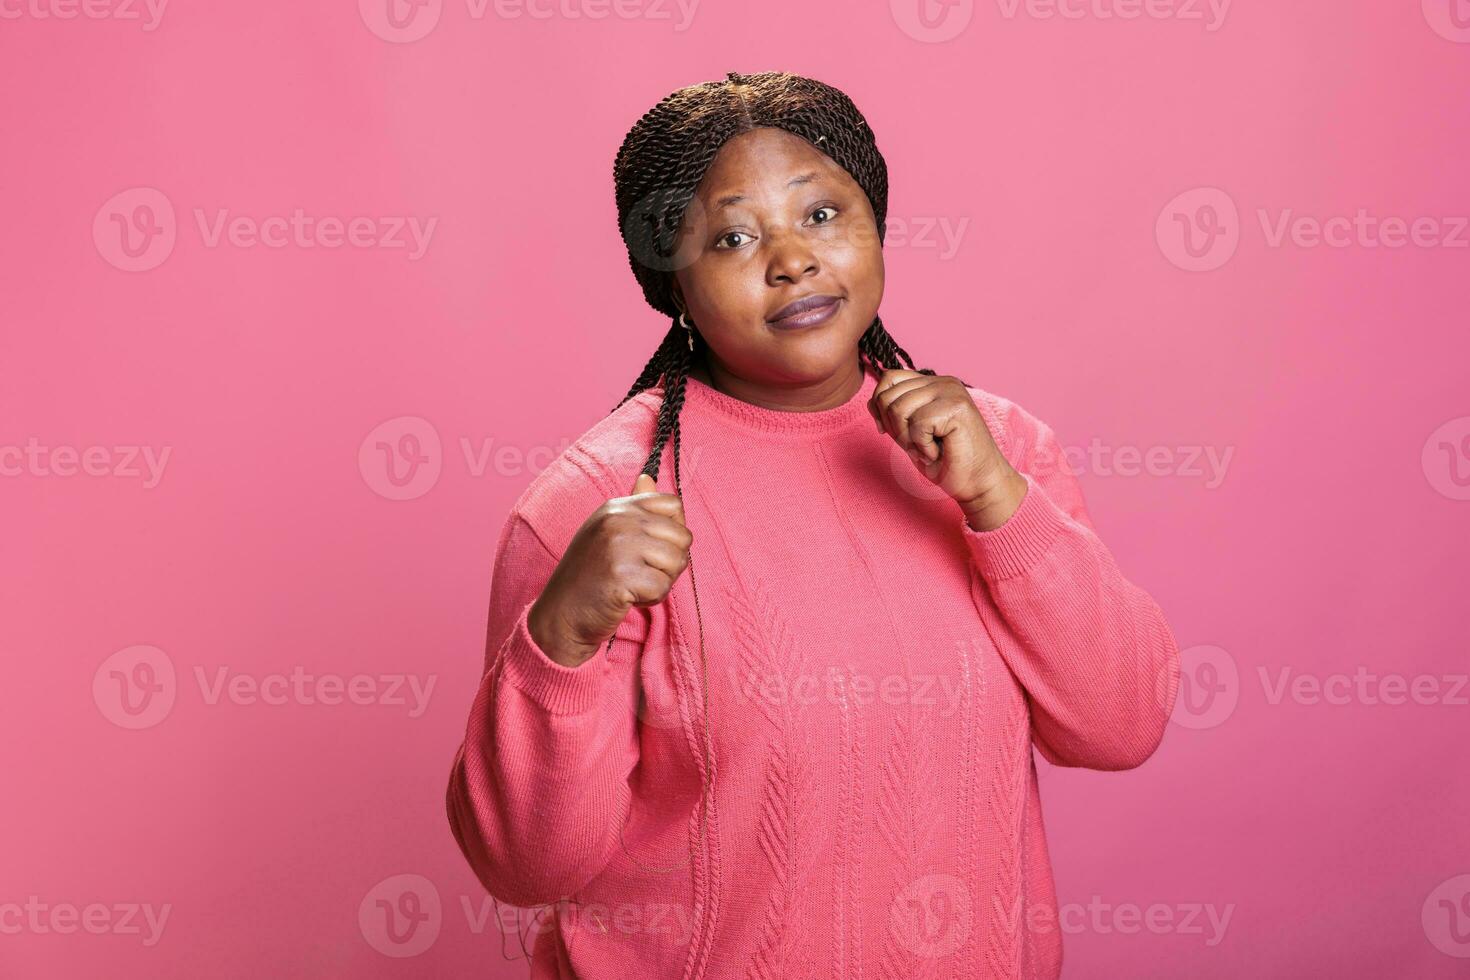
pixel 881 352
pixel 670 364
pixel 663 361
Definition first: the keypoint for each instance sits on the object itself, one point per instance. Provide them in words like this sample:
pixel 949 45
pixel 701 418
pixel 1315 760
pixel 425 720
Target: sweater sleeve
pixel 1093 651
pixel 539 786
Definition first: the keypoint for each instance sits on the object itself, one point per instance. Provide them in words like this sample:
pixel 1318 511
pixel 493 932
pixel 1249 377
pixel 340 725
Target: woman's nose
pixel 791 259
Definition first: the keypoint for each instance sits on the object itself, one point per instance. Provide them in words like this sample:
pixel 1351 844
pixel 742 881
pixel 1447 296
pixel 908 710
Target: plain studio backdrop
pixel 297 298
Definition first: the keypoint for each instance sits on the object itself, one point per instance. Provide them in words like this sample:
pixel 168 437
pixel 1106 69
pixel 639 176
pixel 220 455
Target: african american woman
pixel 812 756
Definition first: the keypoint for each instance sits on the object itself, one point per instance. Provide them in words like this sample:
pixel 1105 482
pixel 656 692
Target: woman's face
pixel 775 220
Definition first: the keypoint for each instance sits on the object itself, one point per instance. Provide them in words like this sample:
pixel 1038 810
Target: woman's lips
pixel 809 317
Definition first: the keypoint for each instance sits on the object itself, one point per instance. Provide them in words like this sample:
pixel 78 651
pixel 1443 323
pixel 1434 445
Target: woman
pixel 817 760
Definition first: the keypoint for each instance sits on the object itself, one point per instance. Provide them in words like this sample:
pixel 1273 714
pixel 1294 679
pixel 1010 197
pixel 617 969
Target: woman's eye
pixel 725 238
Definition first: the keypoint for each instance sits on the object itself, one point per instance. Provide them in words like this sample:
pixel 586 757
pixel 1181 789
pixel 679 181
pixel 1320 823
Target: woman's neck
pixel 699 371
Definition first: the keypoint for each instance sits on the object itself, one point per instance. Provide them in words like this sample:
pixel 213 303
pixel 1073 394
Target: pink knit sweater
pixel 878 674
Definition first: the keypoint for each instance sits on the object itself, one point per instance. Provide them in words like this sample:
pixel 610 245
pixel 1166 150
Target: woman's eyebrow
pixel 730 199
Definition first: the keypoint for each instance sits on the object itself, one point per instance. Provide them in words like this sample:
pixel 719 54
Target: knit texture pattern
pixel 858 797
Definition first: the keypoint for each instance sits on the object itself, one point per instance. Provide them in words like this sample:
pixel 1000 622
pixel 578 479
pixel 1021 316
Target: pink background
pixel 1334 834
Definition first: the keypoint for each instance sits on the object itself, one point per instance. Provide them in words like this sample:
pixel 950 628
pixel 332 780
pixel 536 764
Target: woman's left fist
pixel 939 426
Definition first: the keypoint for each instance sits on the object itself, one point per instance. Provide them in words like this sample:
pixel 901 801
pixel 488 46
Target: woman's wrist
pixel 994 507
pixel 553 640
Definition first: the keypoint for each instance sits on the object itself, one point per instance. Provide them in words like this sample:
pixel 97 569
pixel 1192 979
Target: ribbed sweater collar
pixel 731 411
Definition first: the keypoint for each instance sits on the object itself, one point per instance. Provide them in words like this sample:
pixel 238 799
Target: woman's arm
pixel 539 787
pixel 1098 661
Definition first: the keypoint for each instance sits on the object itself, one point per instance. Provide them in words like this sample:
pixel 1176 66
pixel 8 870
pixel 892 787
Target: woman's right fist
pixel 628 553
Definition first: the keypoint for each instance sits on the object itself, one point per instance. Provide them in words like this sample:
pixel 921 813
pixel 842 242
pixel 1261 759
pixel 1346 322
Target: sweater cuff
pixel 557 688
pixel 1018 544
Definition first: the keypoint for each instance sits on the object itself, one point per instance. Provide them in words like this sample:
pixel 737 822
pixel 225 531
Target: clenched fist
pixel 937 423
pixel 629 552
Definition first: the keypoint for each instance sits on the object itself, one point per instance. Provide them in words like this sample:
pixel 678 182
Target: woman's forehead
pixel 765 158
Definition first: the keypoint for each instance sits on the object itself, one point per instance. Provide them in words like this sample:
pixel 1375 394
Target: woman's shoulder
pixel 1016 431
pixel 603 462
